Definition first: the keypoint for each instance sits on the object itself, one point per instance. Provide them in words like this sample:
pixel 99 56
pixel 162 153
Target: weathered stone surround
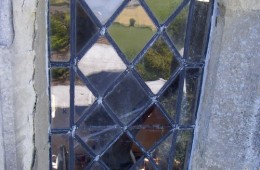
pixel 22 77
pixel 227 135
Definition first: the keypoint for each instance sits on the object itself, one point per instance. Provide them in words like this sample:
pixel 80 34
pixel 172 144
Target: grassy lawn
pixel 130 40
pixel 162 9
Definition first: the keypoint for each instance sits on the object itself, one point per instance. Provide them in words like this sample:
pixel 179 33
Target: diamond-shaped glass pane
pixel 150 127
pixel 103 9
pixel 157 65
pixel 97 166
pixel 169 98
pixel 60 151
pixel 60 97
pixel 182 147
pixel 127 99
pixel 190 95
pixel 177 29
pixel 83 98
pixel 59 30
pixel 132 29
pixel 122 154
pixel 199 29
pixel 85 27
pixel 98 130
pixel 81 157
pixel 162 9
pixel 161 153
pixel 101 65
pixel 143 164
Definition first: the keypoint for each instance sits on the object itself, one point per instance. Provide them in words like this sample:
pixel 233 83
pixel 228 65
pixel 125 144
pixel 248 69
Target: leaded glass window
pixel 125 80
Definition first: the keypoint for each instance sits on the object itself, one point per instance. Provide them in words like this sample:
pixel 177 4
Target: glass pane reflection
pixel 169 98
pixel 85 27
pixel 190 95
pixel 150 127
pixel 81 157
pixel 60 151
pixel 132 29
pixel 83 98
pixel 98 130
pixel 162 9
pixel 177 29
pixel 157 65
pixel 122 155
pixel 97 166
pixel 200 26
pixel 182 150
pixel 101 65
pixel 143 164
pixel 59 12
pixel 103 9
pixel 60 97
pixel 161 153
pixel 127 99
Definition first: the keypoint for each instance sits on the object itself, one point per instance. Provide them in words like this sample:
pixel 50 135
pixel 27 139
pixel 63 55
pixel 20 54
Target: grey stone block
pixel 6 26
pixel 227 131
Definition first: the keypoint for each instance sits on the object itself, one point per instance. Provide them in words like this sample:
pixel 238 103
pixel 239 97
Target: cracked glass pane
pixel 81 157
pixel 60 151
pixel 101 65
pixel 132 29
pixel 98 130
pixel 177 29
pixel 162 9
pixel 85 27
pixel 127 99
pixel 150 127
pixel 84 98
pixel 59 17
pixel 182 149
pixel 157 65
pixel 103 12
pixel 60 97
pixel 161 153
pixel 200 27
pixel 190 95
pixel 169 98
pixel 122 154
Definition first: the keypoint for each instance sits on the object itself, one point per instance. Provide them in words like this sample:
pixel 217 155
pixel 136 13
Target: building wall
pixel 22 55
pixel 227 135
pixel 227 131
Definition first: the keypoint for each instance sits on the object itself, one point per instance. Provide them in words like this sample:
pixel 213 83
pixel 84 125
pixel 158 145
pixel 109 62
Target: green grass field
pixel 130 40
pixel 162 9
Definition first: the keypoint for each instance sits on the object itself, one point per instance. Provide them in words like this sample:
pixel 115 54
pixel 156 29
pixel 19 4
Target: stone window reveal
pixel 125 79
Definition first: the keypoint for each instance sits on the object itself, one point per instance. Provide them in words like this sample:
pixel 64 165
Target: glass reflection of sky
pixel 103 9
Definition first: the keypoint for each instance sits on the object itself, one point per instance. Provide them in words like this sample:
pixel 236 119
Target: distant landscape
pixel 131 40
pixel 131 30
pixel 162 9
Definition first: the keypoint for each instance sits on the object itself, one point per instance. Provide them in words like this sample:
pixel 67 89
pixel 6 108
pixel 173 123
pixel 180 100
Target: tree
pixel 156 62
pixel 60 29
pixel 132 22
